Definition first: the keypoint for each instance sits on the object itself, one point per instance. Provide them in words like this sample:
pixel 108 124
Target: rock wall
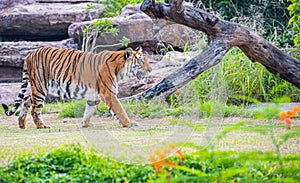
pixel 137 26
pixel 42 20
pixel 26 25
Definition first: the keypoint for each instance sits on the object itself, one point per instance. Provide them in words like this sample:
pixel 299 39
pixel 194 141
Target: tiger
pixel 74 74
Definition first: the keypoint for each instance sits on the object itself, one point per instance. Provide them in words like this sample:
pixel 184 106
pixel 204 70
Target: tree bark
pixel 222 36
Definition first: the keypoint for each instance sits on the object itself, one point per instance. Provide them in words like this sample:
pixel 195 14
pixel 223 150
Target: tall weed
pixel 242 82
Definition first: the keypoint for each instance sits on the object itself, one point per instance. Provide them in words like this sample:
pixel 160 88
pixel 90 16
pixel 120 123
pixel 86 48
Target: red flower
pixel 170 163
pixel 288 123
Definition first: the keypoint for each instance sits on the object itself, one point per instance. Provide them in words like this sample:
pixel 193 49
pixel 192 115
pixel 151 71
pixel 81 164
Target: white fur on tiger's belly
pixel 73 91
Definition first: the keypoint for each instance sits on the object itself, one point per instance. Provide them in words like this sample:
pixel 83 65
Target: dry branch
pixel 222 36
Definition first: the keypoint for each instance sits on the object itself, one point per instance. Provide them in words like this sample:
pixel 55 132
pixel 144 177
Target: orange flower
pixel 158 165
pixel 157 160
pixel 290 114
pixel 288 123
pixel 282 115
pixel 180 154
pixel 296 108
pixel 170 163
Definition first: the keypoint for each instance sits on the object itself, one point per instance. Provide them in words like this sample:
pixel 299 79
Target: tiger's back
pixel 72 74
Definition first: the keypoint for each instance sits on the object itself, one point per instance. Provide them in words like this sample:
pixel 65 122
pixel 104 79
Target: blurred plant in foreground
pixel 287 115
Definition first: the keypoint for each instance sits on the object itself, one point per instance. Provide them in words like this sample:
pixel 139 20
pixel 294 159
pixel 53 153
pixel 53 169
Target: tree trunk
pixel 222 36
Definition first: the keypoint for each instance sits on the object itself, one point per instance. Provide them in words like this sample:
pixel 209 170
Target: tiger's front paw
pixel 87 125
pixel 130 125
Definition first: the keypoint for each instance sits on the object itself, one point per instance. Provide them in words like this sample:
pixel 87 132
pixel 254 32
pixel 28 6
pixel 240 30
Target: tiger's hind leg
pixel 90 108
pixel 26 104
pixel 36 112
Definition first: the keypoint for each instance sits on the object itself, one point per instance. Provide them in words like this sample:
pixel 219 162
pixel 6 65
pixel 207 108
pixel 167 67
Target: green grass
pixel 1 111
pixel 75 108
pixel 74 164
pixel 237 80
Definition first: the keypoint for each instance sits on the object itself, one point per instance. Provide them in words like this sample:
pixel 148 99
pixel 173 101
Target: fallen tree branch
pixel 222 36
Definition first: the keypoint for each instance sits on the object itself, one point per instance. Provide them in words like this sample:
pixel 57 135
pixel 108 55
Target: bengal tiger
pixel 73 74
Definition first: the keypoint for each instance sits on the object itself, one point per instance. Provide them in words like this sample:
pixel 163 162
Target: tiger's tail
pixel 20 97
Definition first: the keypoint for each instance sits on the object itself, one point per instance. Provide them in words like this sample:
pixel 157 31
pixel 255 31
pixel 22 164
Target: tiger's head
pixel 137 63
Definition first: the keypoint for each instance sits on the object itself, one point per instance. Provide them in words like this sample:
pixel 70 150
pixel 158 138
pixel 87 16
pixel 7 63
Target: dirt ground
pixel 134 144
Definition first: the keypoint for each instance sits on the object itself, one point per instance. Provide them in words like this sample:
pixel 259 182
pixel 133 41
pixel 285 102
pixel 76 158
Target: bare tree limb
pixel 222 36
pixel 210 56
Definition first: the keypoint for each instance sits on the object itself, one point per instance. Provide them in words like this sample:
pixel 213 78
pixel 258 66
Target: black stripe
pixel 65 60
pixel 68 67
pixel 111 78
pixel 68 88
pixel 21 95
pixel 36 96
pixel 37 80
pixel 75 63
pixel 39 106
pixel 45 70
pixel 83 94
pixel 114 58
pixel 105 84
pixel 57 62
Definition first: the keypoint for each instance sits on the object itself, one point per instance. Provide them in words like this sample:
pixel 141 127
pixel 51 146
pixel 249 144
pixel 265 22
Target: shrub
pixel 294 9
pixel 114 7
pixel 73 164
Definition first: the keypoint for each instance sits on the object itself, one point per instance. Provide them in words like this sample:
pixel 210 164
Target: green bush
pixel 113 8
pixel 75 108
pixel 294 10
pixel 73 164
pixel 269 18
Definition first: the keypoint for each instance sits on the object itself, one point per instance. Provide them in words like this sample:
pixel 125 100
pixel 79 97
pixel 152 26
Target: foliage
pixel 114 7
pixel 75 108
pixel 269 18
pixel 294 10
pixel 237 80
pixel 89 7
pixel 97 28
pixel 74 164
pixel 125 41
pixel 269 113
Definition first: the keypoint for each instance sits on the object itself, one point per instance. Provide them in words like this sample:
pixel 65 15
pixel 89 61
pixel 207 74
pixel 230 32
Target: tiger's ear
pixel 128 53
pixel 139 49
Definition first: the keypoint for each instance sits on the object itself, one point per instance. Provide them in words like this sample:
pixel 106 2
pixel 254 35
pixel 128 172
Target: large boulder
pixel 132 23
pixel 5 4
pixel 43 21
pixel 12 56
pixel 177 34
